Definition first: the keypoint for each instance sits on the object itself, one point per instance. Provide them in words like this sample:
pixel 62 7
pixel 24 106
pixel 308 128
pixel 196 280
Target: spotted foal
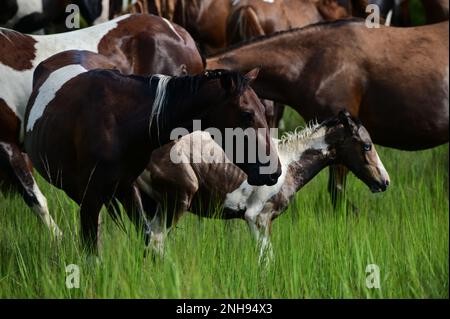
pixel 213 181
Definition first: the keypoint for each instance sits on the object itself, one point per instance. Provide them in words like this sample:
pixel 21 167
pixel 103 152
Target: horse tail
pixel 243 24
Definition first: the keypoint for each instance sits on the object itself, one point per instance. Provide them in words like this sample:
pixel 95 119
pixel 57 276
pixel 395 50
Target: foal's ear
pixel 252 75
pixel 346 119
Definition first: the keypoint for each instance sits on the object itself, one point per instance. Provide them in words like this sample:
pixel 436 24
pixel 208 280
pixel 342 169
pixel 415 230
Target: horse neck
pixel 279 61
pixel 304 158
pixel 172 108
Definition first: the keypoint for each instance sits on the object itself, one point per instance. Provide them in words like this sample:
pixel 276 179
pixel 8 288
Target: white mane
pixel 160 99
pixel 294 143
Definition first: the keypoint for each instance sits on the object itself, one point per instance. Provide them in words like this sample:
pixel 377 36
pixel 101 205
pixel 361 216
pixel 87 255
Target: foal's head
pixel 353 148
pixel 234 105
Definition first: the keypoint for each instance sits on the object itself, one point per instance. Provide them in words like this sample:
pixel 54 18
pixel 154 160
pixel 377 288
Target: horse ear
pixel 252 75
pixel 346 119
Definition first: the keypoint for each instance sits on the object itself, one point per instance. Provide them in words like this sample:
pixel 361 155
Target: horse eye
pixel 248 118
pixel 367 147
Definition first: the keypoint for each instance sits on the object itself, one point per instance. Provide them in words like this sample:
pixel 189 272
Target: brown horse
pixel 91 132
pixel 402 103
pixel 214 183
pixel 140 44
pixel 206 20
pixel 252 18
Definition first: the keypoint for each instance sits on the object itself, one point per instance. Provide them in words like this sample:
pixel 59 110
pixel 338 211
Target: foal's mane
pixel 311 27
pixel 297 139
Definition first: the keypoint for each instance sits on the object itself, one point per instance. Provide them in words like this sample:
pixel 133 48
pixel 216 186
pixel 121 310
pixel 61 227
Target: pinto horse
pixel 214 182
pixel 28 16
pixel 132 44
pixel 91 132
pixel 318 68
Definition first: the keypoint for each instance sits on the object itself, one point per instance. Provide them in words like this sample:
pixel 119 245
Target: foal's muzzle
pixel 380 187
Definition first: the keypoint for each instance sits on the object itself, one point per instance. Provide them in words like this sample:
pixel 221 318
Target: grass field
pixel 319 253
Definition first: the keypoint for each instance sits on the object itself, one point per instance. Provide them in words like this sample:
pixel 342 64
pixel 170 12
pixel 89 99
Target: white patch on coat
pixel 25 7
pixel 290 149
pixel 16 86
pixel 104 15
pixel 389 18
pixel 126 4
pixel 173 28
pixel 41 209
pixel 48 90
pixel 382 170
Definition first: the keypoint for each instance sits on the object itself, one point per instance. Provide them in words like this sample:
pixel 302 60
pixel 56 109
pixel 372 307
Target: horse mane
pixel 234 83
pixel 310 27
pixel 296 140
pixel 160 99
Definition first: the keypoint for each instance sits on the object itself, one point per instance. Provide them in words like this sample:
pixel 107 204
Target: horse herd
pixel 93 110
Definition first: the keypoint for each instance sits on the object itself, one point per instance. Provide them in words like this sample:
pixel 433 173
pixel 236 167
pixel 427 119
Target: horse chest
pixel 254 198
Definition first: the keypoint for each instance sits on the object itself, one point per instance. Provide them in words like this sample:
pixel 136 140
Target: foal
pixel 213 181
pixel 91 133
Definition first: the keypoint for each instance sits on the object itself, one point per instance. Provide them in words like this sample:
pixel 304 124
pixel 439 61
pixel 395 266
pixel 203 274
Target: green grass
pixel 319 253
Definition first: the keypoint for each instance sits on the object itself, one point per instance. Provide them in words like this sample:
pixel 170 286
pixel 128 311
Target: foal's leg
pixel 336 187
pixel 166 216
pixel 260 225
pixel 14 162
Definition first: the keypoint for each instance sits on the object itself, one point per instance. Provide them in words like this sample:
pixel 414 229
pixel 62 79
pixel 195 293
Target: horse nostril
pixel 387 182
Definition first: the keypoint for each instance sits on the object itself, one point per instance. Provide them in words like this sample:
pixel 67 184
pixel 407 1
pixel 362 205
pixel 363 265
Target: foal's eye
pixel 367 147
pixel 248 118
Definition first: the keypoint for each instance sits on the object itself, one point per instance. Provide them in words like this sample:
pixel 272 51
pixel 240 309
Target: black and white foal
pixel 212 181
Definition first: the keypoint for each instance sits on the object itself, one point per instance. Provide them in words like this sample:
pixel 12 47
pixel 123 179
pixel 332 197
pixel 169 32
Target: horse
pixel 216 188
pixel 436 10
pixel 206 20
pixel 318 68
pixel 133 44
pixel 91 132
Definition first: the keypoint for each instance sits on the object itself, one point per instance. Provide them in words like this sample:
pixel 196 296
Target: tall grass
pixel 319 253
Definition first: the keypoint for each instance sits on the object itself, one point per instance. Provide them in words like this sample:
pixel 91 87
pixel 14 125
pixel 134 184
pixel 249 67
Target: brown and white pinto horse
pixel 139 44
pixel 402 103
pixel 213 183
pixel 91 132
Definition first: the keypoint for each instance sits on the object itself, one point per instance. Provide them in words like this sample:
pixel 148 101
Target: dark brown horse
pixel 91 132
pixel 394 79
pixel 139 44
pixel 214 183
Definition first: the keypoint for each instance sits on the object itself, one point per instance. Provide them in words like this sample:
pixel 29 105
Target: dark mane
pixel 322 24
pixel 233 82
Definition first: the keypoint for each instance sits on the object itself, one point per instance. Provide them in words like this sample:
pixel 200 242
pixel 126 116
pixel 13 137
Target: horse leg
pixel 89 216
pixel 336 187
pixel 15 164
pixel 166 216
pixel 131 201
pixel 260 225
